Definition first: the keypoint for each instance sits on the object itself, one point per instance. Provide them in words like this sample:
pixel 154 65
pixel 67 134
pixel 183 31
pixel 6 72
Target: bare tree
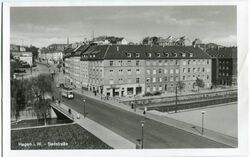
pixel 180 85
pixel 199 83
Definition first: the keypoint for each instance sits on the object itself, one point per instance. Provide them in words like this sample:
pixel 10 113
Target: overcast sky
pixel 41 26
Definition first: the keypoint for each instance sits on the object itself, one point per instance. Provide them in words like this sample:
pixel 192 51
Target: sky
pixel 42 26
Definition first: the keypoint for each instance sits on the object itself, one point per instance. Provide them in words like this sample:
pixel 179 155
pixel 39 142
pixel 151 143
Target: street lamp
pixel 142 134
pixel 84 114
pixel 176 90
pixel 135 104
pixel 202 123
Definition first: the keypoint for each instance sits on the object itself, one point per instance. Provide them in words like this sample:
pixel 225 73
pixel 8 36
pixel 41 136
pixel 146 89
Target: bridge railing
pixel 189 105
pixel 62 110
pixel 183 98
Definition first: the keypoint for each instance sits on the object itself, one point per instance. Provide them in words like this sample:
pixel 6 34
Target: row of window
pixel 176 71
pixel 162 62
pixel 177 62
pixel 222 67
pixel 121 81
pixel 95 80
pixel 157 54
pixel 160 71
pixel 223 74
pixel 149 63
pixel 121 63
pixel 224 62
pixel 175 78
pixel 194 70
pixel 164 87
pixel 129 72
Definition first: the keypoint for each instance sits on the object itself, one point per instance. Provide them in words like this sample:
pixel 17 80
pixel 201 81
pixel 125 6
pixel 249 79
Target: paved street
pixel 156 135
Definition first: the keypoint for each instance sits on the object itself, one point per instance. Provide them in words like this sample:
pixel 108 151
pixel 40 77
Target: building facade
pixel 224 65
pixel 23 56
pixel 175 64
pixel 124 77
pixel 128 70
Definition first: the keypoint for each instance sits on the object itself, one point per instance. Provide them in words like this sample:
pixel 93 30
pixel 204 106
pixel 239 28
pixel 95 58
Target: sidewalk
pixel 210 134
pixel 112 139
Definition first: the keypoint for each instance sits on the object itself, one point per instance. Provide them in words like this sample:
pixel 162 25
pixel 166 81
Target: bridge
pixel 61 113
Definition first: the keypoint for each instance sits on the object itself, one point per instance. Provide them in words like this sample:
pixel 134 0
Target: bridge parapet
pixel 59 109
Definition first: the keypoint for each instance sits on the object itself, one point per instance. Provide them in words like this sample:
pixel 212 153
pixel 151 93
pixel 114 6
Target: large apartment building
pixel 76 71
pixel 224 65
pixel 123 70
pixel 166 66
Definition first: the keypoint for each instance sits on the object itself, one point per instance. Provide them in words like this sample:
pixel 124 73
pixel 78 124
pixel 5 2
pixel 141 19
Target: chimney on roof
pixel 117 48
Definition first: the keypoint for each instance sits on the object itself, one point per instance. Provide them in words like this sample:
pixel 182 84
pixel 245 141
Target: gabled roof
pixel 98 52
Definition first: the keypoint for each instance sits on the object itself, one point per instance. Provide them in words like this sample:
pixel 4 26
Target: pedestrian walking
pixel 145 109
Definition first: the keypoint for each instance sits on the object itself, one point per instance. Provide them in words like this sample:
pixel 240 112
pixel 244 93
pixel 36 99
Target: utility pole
pixel 142 133
pixel 202 122
pixel 135 104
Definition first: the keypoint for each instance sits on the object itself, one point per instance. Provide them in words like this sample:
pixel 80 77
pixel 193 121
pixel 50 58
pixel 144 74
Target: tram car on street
pixel 67 93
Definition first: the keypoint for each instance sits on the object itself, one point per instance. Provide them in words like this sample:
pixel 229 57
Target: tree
pixel 199 83
pixel 18 100
pixel 34 51
pixel 180 85
pixel 44 84
pixel 155 40
pixel 42 108
pixel 31 92
pixel 145 41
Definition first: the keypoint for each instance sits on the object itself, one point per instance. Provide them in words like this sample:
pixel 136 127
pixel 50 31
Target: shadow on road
pixel 194 127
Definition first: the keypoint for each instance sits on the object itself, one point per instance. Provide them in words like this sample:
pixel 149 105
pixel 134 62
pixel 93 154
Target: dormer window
pixel 149 54
pixel 166 54
pixel 128 54
pixel 137 55
pixel 183 54
pixel 175 54
pixel 191 55
pixel 158 54
pixel 93 55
